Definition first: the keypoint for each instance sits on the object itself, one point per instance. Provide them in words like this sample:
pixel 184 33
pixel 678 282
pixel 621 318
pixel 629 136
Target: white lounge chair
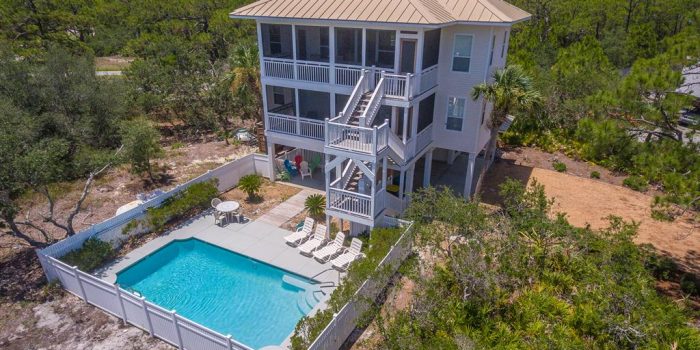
pixel 302 234
pixel 326 253
pixel 351 254
pixel 304 170
pixel 320 238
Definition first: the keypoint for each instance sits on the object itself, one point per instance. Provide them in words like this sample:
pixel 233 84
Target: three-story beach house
pixel 372 92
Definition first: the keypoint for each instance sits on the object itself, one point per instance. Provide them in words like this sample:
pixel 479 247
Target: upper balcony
pixel 337 55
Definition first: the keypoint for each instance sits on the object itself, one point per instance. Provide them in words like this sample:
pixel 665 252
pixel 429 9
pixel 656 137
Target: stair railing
pixel 361 87
pixel 374 103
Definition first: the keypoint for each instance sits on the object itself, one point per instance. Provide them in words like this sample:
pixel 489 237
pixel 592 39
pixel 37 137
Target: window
pixel 461 56
pixel 312 43
pixel 505 42
pixel 493 47
pixel 455 113
pixel 278 95
pixel 381 45
pixel 425 112
pixel 275 40
pixel 431 48
pixel 348 46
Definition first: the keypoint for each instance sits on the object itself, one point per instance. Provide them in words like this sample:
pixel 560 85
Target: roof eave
pixel 406 24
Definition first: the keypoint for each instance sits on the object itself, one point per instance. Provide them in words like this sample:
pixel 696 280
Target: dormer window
pixel 461 58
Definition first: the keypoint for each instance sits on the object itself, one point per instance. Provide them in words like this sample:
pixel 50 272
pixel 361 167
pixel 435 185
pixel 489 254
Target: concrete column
pixel 394 119
pixel 271 160
pixel 471 162
pixel 385 163
pixel 405 125
pixel 402 180
pixel 410 174
pixel 427 168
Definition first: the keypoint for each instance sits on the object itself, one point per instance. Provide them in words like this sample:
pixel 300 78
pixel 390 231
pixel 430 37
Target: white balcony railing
pixel 424 138
pixel 311 128
pixel 291 125
pixel 350 202
pixel 278 68
pixel 398 86
pixel 347 75
pixel 428 78
pixel 282 123
pixel 356 138
pixel 313 72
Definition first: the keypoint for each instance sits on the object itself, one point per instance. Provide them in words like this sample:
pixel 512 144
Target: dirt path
pixel 589 201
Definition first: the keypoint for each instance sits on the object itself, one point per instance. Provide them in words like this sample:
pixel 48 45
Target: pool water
pixel 219 289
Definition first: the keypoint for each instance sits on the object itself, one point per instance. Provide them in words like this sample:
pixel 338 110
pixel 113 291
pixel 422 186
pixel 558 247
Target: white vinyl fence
pixel 161 323
pixel 344 322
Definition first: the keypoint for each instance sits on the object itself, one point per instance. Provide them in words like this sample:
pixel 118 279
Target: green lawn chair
pixel 314 163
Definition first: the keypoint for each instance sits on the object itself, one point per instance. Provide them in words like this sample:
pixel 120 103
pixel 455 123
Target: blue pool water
pixel 222 290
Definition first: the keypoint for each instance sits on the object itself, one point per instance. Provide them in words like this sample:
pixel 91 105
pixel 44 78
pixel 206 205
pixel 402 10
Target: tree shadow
pixel 500 170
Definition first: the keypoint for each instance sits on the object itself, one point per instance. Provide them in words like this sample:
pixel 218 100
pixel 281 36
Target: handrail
pixel 396 145
pixel 374 103
pixel 355 96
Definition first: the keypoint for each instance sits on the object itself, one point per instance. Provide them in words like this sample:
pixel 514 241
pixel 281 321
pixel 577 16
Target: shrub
pixel 559 166
pixel 595 175
pixel 636 183
pixel 284 176
pixel 250 184
pixel 690 284
pixel 90 256
pixel 197 196
pixel 315 205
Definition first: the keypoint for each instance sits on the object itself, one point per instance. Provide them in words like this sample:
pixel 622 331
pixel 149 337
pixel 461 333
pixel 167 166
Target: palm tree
pixel 245 84
pixel 510 91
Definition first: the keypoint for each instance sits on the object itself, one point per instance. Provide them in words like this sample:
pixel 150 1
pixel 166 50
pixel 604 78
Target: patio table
pixel 228 208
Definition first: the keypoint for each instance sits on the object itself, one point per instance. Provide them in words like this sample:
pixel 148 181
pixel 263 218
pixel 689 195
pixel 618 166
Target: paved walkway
pixel 288 209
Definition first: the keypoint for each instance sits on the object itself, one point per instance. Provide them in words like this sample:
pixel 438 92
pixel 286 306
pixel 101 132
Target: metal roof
pixel 419 12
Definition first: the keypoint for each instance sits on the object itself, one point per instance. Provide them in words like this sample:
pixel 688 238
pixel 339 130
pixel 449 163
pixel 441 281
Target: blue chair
pixel 291 169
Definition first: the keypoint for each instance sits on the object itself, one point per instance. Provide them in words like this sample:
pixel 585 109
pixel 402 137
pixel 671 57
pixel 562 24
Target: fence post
pixel 229 342
pixel 148 316
pixel 121 302
pixel 80 284
pixel 173 316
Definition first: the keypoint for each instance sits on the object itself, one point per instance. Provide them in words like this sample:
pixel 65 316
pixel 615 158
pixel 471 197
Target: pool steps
pixel 308 297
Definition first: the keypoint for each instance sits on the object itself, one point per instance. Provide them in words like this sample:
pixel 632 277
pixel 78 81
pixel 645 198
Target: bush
pixel 250 184
pixel 559 166
pixel 636 183
pixel 595 175
pixel 690 284
pixel 90 256
pixel 196 196
pixel 315 205
pixel 309 327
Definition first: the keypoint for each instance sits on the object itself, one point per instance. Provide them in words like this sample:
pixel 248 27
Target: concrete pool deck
pixel 257 239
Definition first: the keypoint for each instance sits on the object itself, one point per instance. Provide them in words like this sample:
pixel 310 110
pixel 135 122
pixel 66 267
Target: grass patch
pixel 90 256
pixel 559 166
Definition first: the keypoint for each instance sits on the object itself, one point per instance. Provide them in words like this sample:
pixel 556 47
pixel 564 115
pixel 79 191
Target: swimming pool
pixel 224 291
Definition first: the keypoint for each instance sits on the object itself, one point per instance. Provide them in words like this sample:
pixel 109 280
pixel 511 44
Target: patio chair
pixel 315 162
pixel 217 214
pixel 319 238
pixel 297 160
pixel 304 170
pixel 326 253
pixel 302 235
pixel 343 261
pixel 290 168
pixel 218 217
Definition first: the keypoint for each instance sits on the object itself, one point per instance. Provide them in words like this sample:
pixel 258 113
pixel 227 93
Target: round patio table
pixel 228 207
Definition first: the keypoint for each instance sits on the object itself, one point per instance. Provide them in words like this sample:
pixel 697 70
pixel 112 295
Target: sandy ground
pixel 271 195
pixel 29 319
pixel 589 201
pixel 118 187
pixel 68 323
